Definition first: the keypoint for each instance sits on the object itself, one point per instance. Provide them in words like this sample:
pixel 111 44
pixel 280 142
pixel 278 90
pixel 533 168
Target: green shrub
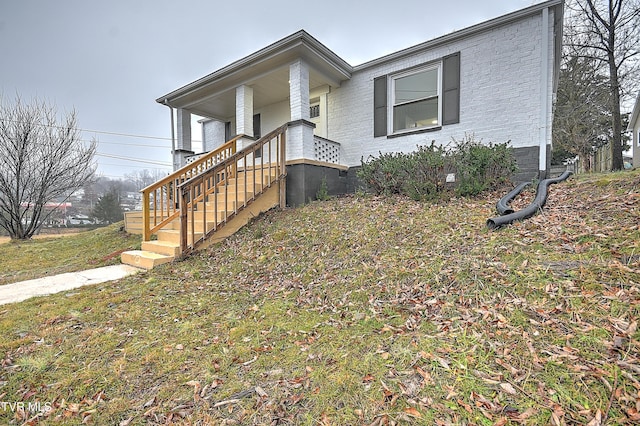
pixel 480 167
pixel 323 192
pixel 385 174
pixel 421 175
pixel 425 172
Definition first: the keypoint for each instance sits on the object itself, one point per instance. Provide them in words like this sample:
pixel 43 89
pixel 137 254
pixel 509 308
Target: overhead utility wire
pixel 129 135
pixel 133 144
pixel 134 167
pixel 126 144
pixel 125 134
pixel 138 160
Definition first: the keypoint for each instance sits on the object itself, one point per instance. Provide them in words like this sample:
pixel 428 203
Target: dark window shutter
pixel 451 89
pixel 380 106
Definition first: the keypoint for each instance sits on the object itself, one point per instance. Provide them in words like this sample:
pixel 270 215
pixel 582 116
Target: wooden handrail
pixel 187 168
pixel 194 192
pixel 160 199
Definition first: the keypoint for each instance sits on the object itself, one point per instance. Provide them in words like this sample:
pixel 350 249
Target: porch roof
pixel 267 71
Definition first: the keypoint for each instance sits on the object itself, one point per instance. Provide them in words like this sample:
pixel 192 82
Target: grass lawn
pixel 355 311
pixel 56 254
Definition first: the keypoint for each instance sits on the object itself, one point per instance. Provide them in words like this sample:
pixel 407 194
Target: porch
pixel 286 82
pixel 248 110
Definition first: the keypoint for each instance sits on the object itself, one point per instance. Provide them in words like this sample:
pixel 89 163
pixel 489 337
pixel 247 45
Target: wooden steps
pixel 167 246
pixel 144 259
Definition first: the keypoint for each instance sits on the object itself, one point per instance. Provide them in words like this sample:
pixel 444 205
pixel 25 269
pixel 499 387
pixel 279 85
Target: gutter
pixel 173 132
pixel 544 90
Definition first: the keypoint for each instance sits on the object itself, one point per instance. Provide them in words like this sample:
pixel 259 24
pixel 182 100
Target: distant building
pixel 79 219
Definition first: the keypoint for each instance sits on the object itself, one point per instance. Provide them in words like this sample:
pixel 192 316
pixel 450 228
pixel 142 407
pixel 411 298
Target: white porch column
pixel 184 130
pixel 183 143
pixel 299 90
pixel 244 111
pixel 300 132
pixel 213 134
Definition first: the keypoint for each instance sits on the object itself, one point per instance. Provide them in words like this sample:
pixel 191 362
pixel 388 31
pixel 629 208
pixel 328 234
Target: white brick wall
pixel 213 134
pixel 273 116
pixel 499 93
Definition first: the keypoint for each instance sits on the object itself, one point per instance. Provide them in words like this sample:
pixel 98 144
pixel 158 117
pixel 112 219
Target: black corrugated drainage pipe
pixel 531 209
pixel 503 205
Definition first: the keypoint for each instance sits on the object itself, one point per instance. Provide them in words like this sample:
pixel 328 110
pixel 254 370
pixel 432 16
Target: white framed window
pixel 415 98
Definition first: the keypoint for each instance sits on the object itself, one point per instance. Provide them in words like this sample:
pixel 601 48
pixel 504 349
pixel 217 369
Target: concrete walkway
pixel 17 292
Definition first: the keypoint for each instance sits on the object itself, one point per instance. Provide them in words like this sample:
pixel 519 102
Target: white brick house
pixel 496 80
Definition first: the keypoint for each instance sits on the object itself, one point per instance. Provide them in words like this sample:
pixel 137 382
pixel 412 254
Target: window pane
pixel 416 114
pixel 416 86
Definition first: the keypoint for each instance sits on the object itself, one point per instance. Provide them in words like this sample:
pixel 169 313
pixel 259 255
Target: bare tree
pixel 608 31
pixel 582 119
pixel 43 161
pixel 143 178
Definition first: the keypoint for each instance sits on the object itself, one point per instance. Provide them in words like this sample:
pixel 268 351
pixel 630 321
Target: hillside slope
pixel 358 310
pixel 46 255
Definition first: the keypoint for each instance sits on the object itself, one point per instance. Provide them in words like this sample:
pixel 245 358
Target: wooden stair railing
pixel 212 198
pixel 160 200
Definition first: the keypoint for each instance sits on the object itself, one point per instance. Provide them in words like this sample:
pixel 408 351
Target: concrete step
pixel 144 259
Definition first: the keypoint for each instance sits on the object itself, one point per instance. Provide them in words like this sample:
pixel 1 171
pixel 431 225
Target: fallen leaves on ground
pixel 359 310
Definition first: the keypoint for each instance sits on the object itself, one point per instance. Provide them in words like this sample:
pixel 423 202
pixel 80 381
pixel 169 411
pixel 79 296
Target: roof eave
pixel 300 39
pixel 465 32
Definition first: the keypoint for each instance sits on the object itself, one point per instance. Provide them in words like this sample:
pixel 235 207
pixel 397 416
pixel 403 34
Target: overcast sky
pixel 110 60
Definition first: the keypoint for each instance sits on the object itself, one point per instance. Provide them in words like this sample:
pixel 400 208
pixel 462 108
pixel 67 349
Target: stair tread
pixel 144 259
pixel 170 231
pixel 163 243
pixel 147 254
pixel 167 248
